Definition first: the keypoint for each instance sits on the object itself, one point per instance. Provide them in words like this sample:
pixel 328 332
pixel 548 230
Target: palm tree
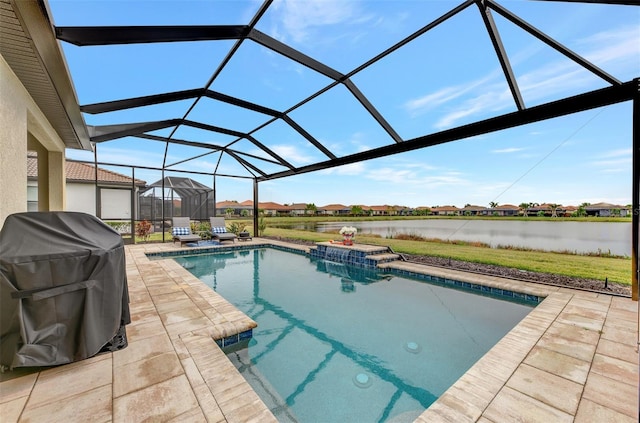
pixel 493 204
pixel 554 208
pixel 525 208
pixel 357 210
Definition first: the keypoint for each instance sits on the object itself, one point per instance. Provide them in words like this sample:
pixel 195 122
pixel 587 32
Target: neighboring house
pixel 233 207
pixel 404 210
pixel 379 210
pixel 569 210
pixel 471 210
pixel 300 209
pixel 334 210
pixel 268 208
pixel 114 190
pixel 445 211
pixel 505 210
pixel 387 210
pixel 273 209
pixel 547 210
pixel 544 208
pixel 606 210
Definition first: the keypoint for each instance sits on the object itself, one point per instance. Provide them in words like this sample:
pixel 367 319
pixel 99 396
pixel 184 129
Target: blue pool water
pixel 342 344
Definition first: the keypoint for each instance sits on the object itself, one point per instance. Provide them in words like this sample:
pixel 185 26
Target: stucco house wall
pixel 24 127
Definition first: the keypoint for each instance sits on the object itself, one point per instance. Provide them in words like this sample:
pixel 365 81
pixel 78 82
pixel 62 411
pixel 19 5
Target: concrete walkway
pixel 573 358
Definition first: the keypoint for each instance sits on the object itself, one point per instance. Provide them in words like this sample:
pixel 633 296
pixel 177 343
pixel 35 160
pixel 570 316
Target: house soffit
pixel 29 46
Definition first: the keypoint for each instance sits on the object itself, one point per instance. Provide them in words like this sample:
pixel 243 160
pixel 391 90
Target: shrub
pixel 262 225
pixel 236 227
pixel 143 230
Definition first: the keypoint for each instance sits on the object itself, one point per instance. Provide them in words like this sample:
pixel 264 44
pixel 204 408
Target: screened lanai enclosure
pixel 227 95
pixel 175 196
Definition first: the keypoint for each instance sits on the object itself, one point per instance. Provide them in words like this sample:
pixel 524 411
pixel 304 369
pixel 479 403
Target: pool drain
pixel 362 380
pixel 413 347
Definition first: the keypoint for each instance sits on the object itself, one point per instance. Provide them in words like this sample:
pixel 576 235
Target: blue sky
pixel 445 78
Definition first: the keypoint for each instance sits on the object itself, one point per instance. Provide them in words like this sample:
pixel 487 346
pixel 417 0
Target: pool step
pixel 383 257
pixel 359 255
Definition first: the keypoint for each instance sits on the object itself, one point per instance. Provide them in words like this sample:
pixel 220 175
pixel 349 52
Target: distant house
pixel 384 210
pixel 234 208
pixel 541 209
pixel 334 210
pixel 606 210
pixel 270 208
pixel 445 211
pixel 403 210
pixel 471 210
pixel 376 210
pixel 300 209
pixel 505 210
pixel 114 190
pixel 246 208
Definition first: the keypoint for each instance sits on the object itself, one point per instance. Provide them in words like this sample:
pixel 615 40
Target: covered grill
pixel 63 289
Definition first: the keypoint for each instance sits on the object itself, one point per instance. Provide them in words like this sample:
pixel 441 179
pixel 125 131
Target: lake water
pixel 580 237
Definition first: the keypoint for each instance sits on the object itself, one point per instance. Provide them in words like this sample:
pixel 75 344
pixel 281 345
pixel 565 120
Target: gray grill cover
pixel 63 288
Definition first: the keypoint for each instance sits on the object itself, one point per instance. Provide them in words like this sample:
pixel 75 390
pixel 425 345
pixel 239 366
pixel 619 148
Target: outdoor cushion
pixel 219 230
pixel 180 231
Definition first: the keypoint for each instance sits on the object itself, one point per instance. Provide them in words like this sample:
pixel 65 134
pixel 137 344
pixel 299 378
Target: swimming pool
pixel 336 343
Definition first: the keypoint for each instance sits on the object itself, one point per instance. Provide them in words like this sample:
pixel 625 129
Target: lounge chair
pixel 219 230
pixel 181 231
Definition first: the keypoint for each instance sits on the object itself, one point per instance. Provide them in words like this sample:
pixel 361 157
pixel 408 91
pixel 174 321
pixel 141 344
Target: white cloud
pixel 428 102
pixel 617 45
pixel 490 93
pixel 622 152
pixel 614 161
pixel 405 177
pixel 291 154
pixel 300 18
pixel 507 150
pixel 350 170
pixel 626 162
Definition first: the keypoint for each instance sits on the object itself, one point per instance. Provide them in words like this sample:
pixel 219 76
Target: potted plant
pixel 348 234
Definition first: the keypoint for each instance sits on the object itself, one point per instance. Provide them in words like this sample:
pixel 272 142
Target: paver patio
pixel 572 359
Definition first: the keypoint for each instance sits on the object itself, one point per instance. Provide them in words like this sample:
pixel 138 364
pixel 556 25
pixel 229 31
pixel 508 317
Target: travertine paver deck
pixel 573 358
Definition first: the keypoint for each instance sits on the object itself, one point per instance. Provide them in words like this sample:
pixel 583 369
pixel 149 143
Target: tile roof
pixel 445 208
pixel 267 205
pixel 83 172
pixel 232 204
pixel 334 207
pixel 599 206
